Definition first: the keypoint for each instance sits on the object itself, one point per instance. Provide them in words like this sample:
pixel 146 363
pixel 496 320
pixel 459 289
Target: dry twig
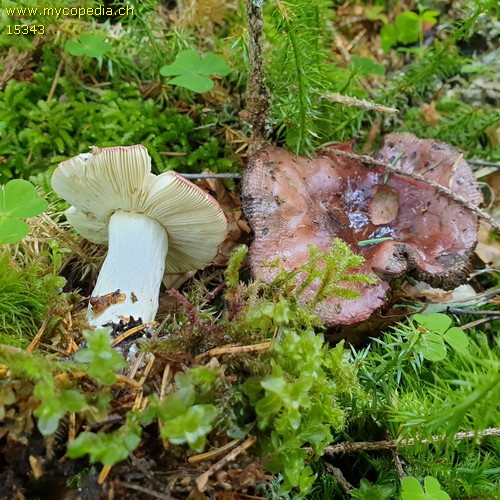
pixel 220 351
pixel 40 332
pixel 202 480
pixel 202 457
pixel 356 447
pixel 339 477
pixel 359 103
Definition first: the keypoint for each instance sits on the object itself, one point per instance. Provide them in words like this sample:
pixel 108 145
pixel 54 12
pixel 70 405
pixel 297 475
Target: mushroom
pixel 291 202
pixel 150 223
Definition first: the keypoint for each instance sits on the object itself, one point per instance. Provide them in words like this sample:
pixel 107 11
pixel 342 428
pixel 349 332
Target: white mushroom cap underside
pixel 119 178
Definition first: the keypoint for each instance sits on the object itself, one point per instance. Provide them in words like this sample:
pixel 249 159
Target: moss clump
pixel 25 295
pixel 36 133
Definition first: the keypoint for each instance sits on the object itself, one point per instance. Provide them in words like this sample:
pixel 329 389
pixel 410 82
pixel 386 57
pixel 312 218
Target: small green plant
pixel 108 448
pixel 192 72
pixel 435 331
pixel 290 404
pixel 408 28
pixel 92 45
pixel 57 400
pixel 186 416
pixel 331 269
pixel 411 489
pixel 103 361
pixel 55 403
pixel 369 491
pixel 92 116
pixel 18 200
pixel 25 296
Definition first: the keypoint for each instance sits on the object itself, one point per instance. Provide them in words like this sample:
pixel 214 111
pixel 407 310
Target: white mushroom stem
pixel 135 264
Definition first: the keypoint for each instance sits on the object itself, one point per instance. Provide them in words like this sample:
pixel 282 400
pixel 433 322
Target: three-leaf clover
pixel 411 489
pixel 18 200
pixel 88 45
pixel 437 332
pixel 191 72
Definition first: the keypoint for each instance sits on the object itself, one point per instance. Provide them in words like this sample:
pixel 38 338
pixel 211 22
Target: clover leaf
pixel 438 331
pixel 88 45
pixel 366 66
pixel 191 72
pixel 18 200
pixel 411 489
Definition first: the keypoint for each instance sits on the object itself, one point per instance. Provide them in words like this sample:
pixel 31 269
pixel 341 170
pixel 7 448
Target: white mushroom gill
pixel 135 264
pixel 116 200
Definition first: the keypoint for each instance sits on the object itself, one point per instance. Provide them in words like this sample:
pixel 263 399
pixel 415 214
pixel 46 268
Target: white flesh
pixel 135 264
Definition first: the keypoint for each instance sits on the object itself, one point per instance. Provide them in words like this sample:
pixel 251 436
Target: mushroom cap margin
pixel 100 183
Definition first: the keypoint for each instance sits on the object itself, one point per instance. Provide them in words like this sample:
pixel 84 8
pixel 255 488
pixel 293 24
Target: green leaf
pixel 186 61
pixel 102 358
pixel 408 26
pixel 433 489
pixel 12 230
pixel 366 66
pixel 191 72
pixel 432 345
pixel 389 37
pixel 191 427
pixel 430 16
pixel 54 405
pixel 411 489
pixel 196 83
pixel 457 339
pixel 19 198
pixel 107 449
pixel 435 322
pixel 212 64
pixel 92 45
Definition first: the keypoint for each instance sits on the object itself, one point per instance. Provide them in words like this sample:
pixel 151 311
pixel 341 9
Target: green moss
pixel 25 295
pixel 467 127
pixel 37 134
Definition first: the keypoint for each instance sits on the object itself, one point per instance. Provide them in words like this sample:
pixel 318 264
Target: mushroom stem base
pixel 134 265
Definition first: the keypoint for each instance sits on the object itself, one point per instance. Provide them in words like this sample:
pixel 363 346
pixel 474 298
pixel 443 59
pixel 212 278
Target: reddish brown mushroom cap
pixel 292 202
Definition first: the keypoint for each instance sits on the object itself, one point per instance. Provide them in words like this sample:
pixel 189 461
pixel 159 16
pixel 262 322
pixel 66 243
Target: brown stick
pixel 55 81
pixel 220 351
pixel 356 447
pixel 41 331
pixel 438 187
pixel 344 484
pixel 359 103
pixel 202 457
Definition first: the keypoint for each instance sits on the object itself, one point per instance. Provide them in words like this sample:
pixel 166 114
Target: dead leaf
pixel 384 207
pixel 431 116
pixel 488 248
